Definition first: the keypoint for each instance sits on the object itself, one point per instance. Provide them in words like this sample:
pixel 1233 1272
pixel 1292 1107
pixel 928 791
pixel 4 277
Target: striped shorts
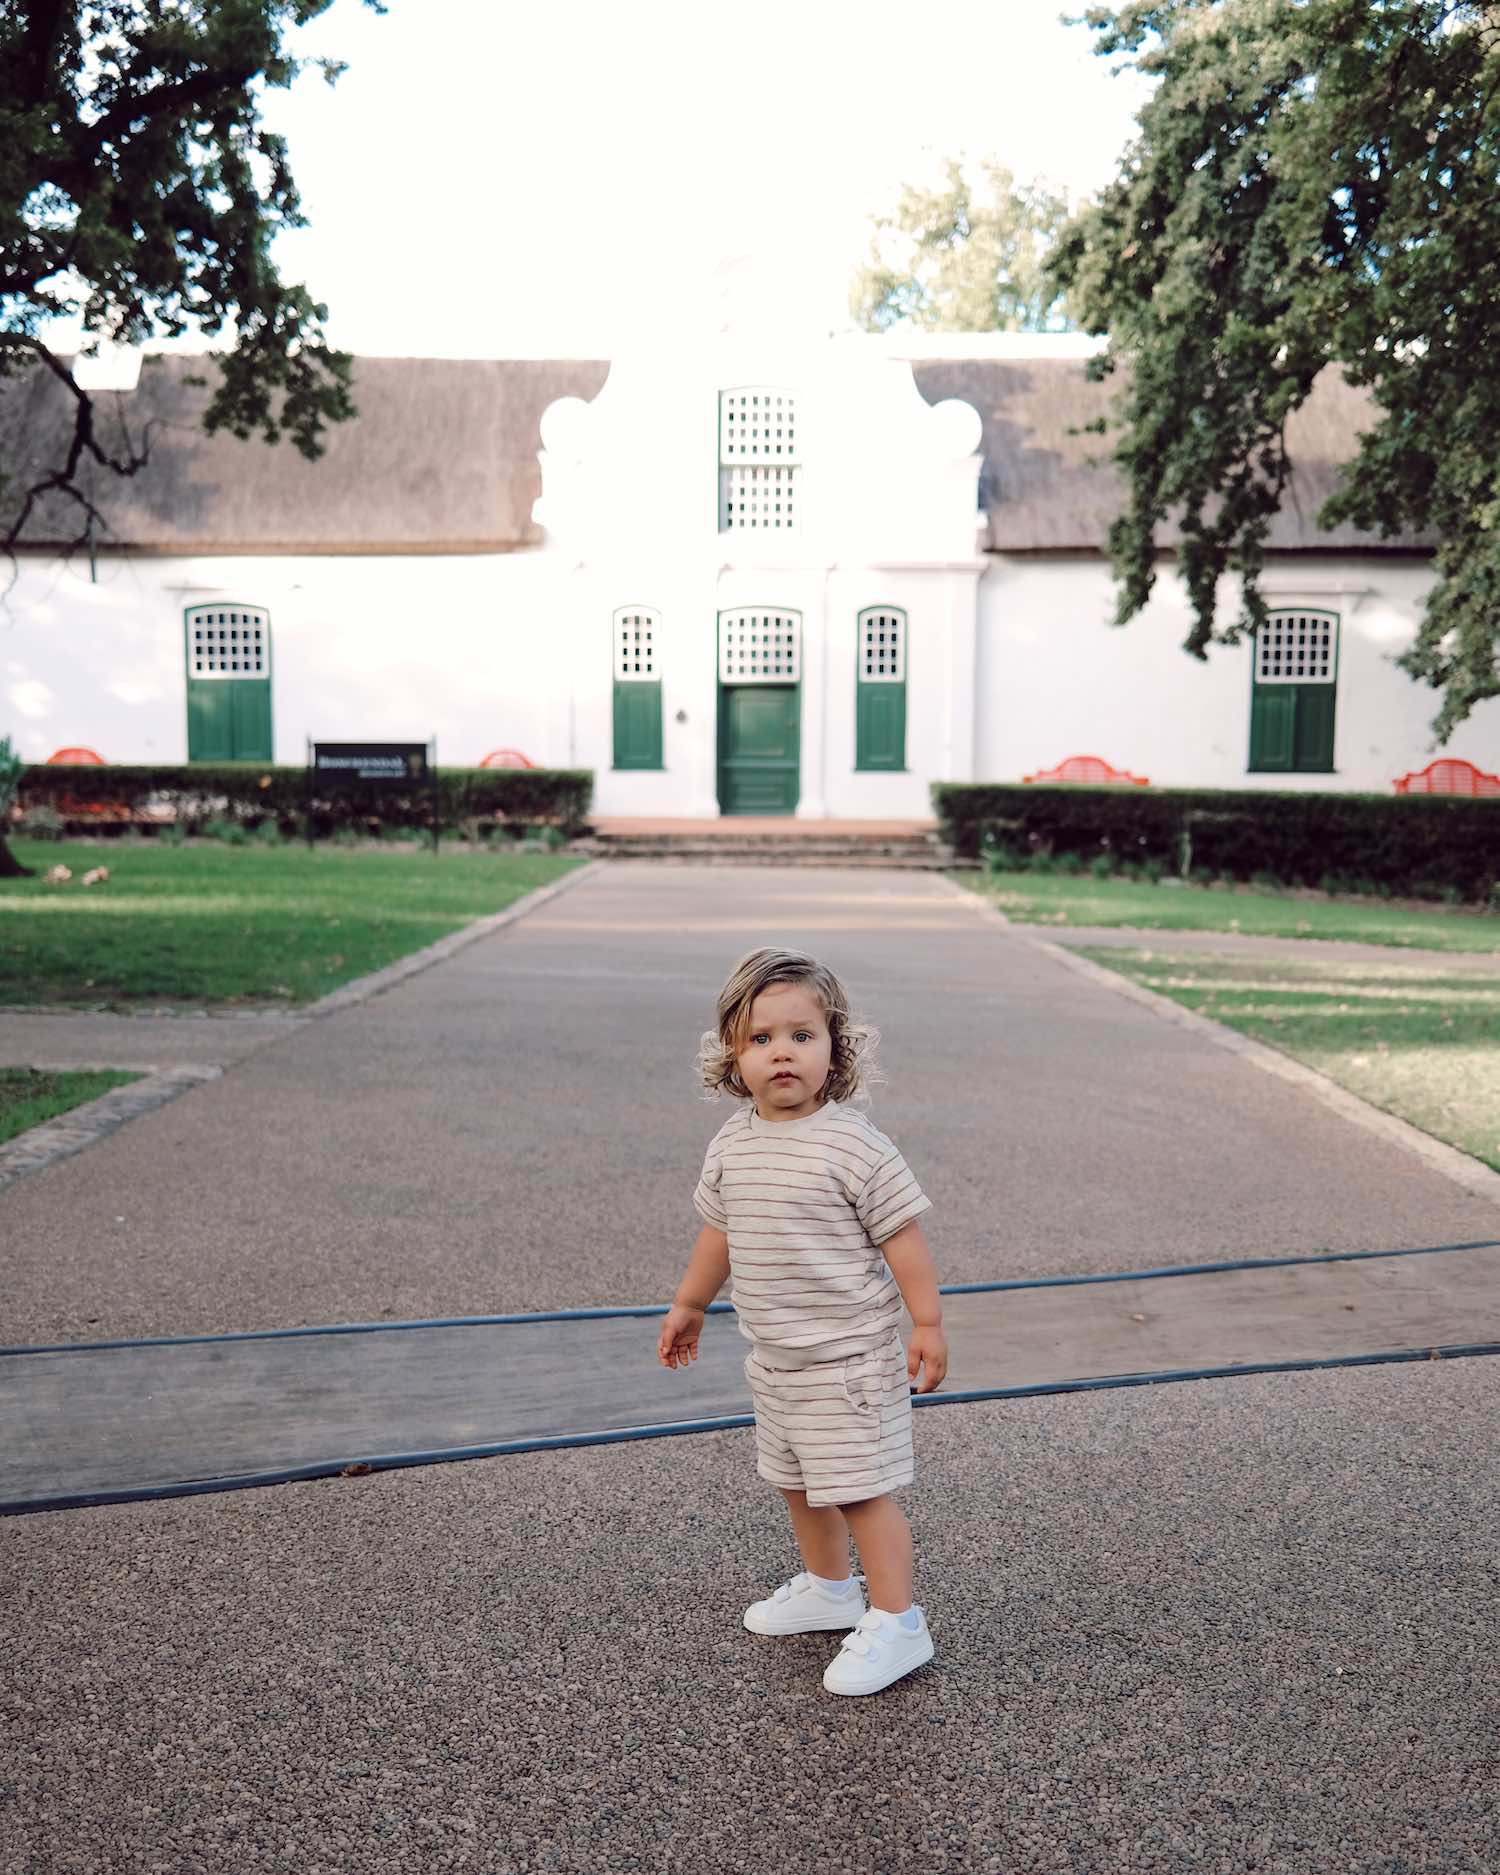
pixel 840 1430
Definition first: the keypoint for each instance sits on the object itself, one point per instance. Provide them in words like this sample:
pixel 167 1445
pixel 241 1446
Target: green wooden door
pixel 759 748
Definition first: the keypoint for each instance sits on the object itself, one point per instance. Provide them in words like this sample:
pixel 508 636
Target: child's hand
pixel 928 1347
pixel 679 1336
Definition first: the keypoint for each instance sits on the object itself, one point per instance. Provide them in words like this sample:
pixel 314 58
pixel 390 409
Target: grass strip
pixel 1062 899
pixel 28 1096
pixel 1405 1037
pixel 246 925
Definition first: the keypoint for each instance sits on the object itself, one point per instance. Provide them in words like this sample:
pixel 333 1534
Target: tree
pixel 1313 185
pixel 11 770
pixel 139 189
pixel 957 259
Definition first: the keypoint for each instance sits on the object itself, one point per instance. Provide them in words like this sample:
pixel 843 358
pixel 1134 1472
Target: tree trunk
pixel 10 866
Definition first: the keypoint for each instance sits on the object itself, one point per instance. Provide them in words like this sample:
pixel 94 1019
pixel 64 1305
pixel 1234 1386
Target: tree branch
pixel 166 99
pixel 43 23
pixel 83 442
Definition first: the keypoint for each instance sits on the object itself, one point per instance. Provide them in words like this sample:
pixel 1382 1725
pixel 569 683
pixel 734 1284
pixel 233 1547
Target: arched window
pixel 1294 682
pixel 880 688
pixel 636 634
pixel 228 655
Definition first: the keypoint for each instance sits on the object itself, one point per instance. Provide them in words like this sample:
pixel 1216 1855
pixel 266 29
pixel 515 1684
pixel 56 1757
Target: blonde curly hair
pixel 851 1065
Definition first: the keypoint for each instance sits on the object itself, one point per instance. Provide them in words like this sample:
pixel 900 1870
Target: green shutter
pixel 252 720
pixel 1273 710
pixel 637 725
pixel 229 721
pixel 1313 741
pixel 880 726
pixel 210 709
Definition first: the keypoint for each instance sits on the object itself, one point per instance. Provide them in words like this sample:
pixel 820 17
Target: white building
pixel 731 578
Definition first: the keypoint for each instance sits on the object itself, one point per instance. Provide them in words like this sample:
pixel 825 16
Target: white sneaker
pixel 801 1607
pixel 878 1652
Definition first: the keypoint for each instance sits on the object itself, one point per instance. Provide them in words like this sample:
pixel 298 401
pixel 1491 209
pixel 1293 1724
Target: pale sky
pixel 496 179
pixel 493 179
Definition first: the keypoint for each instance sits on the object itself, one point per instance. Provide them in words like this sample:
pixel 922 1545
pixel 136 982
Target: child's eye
pixel 802 1035
pixel 762 1037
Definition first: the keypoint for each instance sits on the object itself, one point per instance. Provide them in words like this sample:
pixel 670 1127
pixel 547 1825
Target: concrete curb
pixel 361 989
pixel 1453 1164
pixel 70 1132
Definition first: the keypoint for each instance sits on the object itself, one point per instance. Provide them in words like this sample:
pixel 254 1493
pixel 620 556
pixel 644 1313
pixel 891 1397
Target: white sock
pixel 907 1617
pixel 830 1587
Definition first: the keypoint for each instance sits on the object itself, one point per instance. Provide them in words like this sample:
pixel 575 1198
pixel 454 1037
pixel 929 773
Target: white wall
pixel 514 650
pixel 1055 678
pixel 391 648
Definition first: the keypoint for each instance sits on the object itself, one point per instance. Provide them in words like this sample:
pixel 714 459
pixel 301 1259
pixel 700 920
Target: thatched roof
pixel 442 458
pixel 1046 487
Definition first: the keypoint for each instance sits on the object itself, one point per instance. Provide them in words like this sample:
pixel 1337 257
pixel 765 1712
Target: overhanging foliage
pixel 1313 186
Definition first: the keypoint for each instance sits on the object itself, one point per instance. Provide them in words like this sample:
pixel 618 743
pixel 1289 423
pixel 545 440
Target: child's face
pixel 787 1050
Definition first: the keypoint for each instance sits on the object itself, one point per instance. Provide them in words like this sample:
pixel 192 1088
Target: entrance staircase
pixel 771 840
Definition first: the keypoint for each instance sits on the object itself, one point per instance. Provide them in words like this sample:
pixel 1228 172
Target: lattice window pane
pixel 1297 648
pixel 757 423
pixel 882 646
pixel 635 646
pixel 228 642
pixel 758 498
pixel 760 647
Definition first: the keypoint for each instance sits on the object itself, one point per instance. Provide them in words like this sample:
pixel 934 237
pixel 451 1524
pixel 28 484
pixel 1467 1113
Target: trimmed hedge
pixel 1420 845
pixel 252 792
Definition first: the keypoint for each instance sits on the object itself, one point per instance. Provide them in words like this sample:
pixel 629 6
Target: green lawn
pixel 1404 1036
pixel 246 925
pixel 1058 899
pixel 30 1095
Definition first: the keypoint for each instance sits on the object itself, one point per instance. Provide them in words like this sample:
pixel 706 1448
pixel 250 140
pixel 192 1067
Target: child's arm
pixel 706 1274
pixel 910 1262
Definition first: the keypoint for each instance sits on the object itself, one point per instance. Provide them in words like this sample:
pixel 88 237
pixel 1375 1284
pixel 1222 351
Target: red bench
pixel 1091 769
pixel 1448 777
pixel 69 805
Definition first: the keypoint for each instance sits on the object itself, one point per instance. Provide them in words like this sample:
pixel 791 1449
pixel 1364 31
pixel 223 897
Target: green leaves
pixel 139 189
pixel 1313 186
pixel 966 257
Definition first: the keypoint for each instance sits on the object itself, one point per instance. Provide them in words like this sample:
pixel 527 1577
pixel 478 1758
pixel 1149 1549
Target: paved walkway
pixel 1233 1625
pixel 518 1128
pixel 1211 1626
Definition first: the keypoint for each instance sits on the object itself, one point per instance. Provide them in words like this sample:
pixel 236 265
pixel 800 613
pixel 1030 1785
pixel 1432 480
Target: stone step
pixel 787 856
pixel 768 849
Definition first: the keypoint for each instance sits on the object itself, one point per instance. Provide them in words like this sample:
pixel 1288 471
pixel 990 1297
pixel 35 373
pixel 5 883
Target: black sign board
pixel 370 764
pixel 370 761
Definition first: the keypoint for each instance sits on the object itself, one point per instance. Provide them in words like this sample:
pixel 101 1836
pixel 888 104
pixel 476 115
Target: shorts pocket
pixel 861 1383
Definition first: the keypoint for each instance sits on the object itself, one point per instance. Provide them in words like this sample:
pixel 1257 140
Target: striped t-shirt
pixel 805 1205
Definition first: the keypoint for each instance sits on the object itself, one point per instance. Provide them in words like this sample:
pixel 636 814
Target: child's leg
pixel 883 1538
pixel 822 1536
